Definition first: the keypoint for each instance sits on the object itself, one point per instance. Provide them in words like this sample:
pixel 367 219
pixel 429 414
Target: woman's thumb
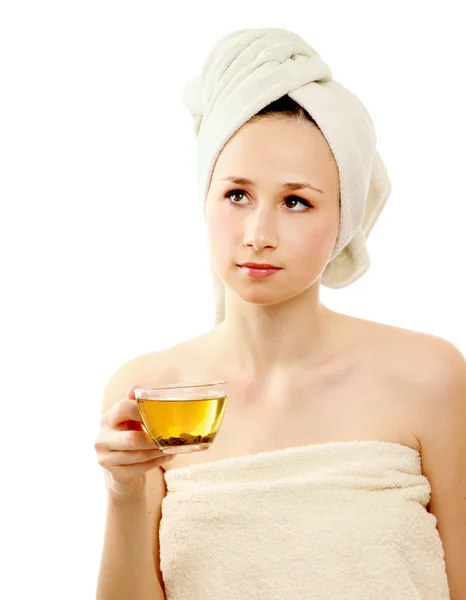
pixel 130 392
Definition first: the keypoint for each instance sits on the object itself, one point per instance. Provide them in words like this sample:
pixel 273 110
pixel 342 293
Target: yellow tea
pixel 182 425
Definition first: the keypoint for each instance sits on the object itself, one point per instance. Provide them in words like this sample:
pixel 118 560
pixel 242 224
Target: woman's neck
pixel 260 340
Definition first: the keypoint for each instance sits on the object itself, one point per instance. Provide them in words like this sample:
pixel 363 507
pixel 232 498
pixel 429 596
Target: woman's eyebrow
pixel 293 186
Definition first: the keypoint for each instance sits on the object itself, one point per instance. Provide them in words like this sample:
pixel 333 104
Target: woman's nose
pixel 260 230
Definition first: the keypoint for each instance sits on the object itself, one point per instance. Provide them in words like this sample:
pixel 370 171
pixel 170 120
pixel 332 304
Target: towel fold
pixel 340 520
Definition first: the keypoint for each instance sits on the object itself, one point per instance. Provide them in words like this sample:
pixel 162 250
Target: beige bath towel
pixel 344 520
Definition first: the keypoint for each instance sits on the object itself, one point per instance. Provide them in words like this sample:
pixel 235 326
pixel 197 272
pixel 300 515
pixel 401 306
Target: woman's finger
pixel 124 410
pixel 124 440
pixel 118 458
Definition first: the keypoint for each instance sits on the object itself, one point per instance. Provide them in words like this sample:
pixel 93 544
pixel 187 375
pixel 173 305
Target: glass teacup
pixel 182 418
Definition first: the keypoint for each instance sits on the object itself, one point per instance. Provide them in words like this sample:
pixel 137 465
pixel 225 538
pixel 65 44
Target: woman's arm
pixel 442 433
pixel 127 569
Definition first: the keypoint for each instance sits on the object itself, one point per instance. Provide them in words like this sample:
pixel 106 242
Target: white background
pixel 102 247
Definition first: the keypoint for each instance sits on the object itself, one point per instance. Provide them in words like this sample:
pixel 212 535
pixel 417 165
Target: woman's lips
pixel 256 273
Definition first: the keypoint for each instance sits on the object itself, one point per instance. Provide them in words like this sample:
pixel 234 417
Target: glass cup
pixel 182 418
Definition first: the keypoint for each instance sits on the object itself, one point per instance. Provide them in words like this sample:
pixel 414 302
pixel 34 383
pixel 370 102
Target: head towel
pixel 248 69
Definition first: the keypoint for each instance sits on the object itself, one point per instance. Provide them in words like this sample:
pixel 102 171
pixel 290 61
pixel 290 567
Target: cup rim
pixel 172 386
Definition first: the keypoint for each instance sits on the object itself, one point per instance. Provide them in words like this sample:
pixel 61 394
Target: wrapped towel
pixel 248 69
pixel 340 520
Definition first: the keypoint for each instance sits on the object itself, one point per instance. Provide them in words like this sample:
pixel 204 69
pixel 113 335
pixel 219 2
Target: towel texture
pixel 248 69
pixel 341 520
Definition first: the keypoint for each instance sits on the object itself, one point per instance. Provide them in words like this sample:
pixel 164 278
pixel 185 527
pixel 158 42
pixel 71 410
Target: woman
pixel 338 471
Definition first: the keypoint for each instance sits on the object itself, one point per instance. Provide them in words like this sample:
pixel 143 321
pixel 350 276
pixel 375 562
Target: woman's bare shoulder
pixel 391 334
pixel 165 366
pixel 409 355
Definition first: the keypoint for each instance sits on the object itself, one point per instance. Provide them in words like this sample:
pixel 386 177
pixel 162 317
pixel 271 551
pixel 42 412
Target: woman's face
pixel 263 221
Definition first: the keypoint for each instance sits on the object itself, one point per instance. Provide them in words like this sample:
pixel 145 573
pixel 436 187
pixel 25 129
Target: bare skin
pixel 277 322
pixel 358 393
pixel 297 372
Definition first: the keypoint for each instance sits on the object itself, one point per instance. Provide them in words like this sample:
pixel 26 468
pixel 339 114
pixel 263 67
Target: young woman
pixel 339 469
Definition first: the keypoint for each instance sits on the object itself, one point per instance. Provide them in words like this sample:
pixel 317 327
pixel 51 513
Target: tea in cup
pixel 182 418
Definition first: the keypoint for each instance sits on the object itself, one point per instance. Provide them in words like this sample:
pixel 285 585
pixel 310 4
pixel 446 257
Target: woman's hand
pixel 124 450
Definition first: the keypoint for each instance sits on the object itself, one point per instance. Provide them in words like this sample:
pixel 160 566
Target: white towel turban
pixel 248 69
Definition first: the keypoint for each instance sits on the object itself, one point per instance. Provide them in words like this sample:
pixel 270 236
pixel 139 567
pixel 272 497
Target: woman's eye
pixel 293 199
pixel 234 193
pixel 300 200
